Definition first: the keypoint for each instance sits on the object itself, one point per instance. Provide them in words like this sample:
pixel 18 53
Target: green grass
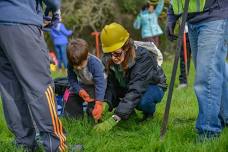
pixel 132 136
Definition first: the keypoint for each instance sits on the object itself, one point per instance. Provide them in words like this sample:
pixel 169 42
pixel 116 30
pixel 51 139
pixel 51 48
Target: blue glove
pixel 47 18
pixel 54 20
pixel 169 31
pixel 56 17
pixel 171 22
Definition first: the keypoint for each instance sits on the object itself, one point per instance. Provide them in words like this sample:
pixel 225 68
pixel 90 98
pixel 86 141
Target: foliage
pixel 133 6
pixel 87 14
pixel 84 17
pixel 130 6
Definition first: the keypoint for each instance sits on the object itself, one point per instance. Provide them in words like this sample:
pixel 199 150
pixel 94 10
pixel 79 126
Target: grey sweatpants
pixel 26 85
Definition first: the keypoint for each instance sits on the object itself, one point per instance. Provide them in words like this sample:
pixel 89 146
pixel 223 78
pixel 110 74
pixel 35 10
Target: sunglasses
pixel 117 54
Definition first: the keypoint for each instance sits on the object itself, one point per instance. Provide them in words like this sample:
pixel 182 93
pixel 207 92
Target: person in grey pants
pixel 26 87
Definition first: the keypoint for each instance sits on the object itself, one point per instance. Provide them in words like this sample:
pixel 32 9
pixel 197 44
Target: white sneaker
pixel 182 85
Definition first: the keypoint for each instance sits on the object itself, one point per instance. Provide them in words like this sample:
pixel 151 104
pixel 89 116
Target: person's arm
pixel 137 22
pixel 72 78
pixel 143 72
pixel 171 17
pixel 159 7
pixel 171 23
pixel 52 5
pixel 64 30
pixel 97 71
pixel 111 92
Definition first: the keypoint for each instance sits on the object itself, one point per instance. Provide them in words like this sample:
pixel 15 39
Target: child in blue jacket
pixel 87 81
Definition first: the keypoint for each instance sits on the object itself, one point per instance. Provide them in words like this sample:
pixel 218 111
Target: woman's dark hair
pixel 129 53
pixel 77 51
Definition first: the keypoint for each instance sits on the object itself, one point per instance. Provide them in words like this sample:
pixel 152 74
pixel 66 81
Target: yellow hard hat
pixel 113 37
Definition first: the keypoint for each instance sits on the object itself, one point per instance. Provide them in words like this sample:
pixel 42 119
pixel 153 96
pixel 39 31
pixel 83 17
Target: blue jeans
pixel 151 97
pixel 61 55
pixel 209 50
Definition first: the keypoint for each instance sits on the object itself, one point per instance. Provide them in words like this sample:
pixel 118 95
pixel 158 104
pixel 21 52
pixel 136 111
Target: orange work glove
pixel 85 96
pixel 97 111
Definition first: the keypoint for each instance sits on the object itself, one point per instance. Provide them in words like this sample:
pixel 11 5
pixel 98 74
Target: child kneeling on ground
pixel 87 81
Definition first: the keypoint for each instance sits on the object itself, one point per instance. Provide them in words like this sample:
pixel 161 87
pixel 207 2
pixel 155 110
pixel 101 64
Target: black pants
pixel 26 87
pixel 183 72
pixel 74 107
pixel 154 39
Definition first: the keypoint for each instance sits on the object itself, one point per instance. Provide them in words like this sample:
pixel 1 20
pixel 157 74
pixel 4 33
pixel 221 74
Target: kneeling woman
pixel 135 80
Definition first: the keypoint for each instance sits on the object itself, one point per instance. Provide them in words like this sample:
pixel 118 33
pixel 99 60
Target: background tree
pixel 87 16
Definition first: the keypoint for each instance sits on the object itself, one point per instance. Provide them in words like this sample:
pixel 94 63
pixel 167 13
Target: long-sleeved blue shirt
pixel 93 74
pixel 59 34
pixel 25 11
